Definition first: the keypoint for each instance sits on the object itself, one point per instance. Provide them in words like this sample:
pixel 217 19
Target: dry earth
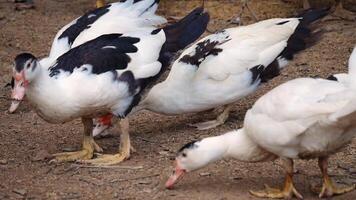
pixel 25 138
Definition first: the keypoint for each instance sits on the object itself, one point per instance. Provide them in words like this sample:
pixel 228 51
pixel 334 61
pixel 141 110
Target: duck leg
pixel 125 147
pixel 89 146
pixel 221 119
pixel 288 190
pixel 329 189
pixel 100 3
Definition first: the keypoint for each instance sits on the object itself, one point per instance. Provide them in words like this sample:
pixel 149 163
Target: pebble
pixel 3 162
pixel 41 155
pixel 205 174
pixel 21 192
pixel 164 153
pixel 147 190
pixel 116 195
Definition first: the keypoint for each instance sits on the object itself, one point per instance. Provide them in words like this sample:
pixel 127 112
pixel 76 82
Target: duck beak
pixel 102 124
pixel 175 177
pixel 14 105
pixel 17 93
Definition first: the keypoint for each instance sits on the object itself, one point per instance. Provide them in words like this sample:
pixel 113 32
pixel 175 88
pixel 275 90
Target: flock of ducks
pixel 105 66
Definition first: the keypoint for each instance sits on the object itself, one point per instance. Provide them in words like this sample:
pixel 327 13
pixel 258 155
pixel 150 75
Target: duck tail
pixel 305 35
pixel 182 33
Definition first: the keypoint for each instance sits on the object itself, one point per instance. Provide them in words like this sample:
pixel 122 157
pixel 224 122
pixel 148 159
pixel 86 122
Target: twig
pixel 108 167
pixel 136 178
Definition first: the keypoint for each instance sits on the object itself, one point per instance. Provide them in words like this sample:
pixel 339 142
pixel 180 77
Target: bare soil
pixel 25 138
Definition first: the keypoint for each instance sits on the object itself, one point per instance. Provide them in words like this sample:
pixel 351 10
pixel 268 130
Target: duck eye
pixel 184 154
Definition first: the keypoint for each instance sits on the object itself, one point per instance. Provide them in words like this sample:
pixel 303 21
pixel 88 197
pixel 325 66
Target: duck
pixel 304 118
pixel 105 75
pixel 119 17
pixel 224 67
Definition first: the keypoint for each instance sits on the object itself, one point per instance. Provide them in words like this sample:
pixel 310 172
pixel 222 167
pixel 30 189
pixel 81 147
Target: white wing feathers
pixel 122 20
pixel 257 44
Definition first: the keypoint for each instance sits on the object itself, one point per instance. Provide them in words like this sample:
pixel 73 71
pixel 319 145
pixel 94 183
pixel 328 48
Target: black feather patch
pixel 105 53
pixel 189 145
pixel 129 78
pixel 256 72
pixel 303 37
pixel 332 78
pixel 202 51
pixel 21 59
pixel 264 74
pixel 178 36
pixel 83 23
pixel 281 23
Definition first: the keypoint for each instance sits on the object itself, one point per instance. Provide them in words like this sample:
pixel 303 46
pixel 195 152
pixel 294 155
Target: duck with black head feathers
pixel 304 118
pixel 106 75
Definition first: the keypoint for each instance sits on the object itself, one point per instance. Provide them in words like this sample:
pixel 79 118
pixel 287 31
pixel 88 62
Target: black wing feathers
pixel 304 37
pixel 187 30
pixel 105 53
pixel 203 49
pixel 83 23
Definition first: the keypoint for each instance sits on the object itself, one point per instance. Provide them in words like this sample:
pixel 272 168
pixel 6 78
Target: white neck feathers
pixel 237 145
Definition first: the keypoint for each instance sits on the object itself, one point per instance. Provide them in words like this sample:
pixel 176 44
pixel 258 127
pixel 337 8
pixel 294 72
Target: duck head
pixel 193 156
pixel 25 70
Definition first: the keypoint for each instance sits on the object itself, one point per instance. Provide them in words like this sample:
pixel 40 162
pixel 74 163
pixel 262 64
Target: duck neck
pixel 242 148
pixel 236 145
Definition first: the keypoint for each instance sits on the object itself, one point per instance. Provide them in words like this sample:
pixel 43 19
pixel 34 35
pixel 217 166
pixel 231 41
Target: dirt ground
pixel 25 138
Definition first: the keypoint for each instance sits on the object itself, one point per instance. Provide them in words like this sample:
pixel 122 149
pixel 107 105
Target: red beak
pixel 175 177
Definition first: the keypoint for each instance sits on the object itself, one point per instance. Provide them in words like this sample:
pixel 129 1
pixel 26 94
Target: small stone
pixel 116 195
pixel 21 192
pixel 164 153
pixel 3 162
pixel 41 155
pixel 205 174
pixel 147 190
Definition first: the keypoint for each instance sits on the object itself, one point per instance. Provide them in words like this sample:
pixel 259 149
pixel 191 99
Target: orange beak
pixel 175 177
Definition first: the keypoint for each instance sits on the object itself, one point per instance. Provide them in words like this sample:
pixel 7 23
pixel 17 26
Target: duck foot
pixel 329 188
pixel 89 146
pixel 220 120
pixel 107 159
pixel 286 193
pixel 288 190
pixel 125 148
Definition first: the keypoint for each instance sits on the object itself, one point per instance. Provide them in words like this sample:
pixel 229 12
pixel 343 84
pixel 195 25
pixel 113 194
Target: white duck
pixel 106 75
pixel 304 118
pixel 229 65
pixel 113 18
